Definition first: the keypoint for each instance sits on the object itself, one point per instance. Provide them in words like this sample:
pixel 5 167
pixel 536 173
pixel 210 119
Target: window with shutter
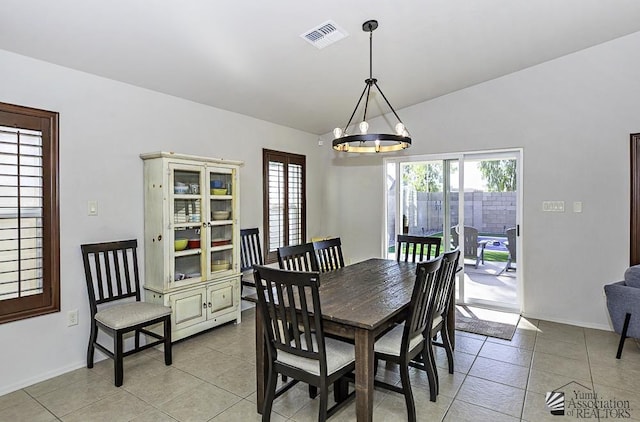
pixel 284 201
pixel 29 218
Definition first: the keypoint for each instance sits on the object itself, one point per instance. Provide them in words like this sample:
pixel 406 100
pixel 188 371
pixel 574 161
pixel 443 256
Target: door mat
pixel 486 322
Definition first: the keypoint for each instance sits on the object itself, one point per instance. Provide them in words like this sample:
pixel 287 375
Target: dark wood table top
pixel 368 293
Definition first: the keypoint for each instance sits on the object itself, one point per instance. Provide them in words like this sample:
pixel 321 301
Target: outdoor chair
pixel 511 246
pixel 303 352
pixel 623 304
pixel 111 271
pixel 416 248
pixel 407 341
pixel 472 248
pixel 329 254
pixel 250 254
pixel 298 258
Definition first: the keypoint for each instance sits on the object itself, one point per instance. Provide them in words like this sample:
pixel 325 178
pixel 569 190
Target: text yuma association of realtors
pixel 589 405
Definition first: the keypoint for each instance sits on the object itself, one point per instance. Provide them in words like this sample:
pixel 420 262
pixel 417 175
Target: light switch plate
pixel 92 208
pixel 577 206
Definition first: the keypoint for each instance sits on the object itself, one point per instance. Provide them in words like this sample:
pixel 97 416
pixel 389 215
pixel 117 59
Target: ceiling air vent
pixel 324 34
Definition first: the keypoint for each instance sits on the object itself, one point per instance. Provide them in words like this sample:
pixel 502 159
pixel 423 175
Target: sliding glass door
pixel 470 201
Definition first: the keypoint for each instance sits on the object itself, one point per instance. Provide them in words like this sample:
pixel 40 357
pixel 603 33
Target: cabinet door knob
pixel 209 304
pixel 204 306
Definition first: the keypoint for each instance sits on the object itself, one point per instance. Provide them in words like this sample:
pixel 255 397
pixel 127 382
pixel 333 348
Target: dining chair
pixel 250 255
pixel 417 248
pixel 298 258
pixel 406 341
pixel 111 272
pixel 443 291
pixel 329 254
pixel 303 353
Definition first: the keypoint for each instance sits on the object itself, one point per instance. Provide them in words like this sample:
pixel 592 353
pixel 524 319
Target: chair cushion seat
pixel 390 343
pixel 122 316
pixel 436 320
pixel 339 355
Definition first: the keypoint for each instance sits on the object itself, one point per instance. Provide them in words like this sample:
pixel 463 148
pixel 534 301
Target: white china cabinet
pixel 192 238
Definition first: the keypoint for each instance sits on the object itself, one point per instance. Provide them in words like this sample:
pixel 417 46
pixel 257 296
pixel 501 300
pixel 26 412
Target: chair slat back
pixel 470 245
pixel 250 249
pixel 329 254
pixel 417 248
pixel 298 258
pixel 511 243
pixel 291 299
pixel 421 300
pixel 445 282
pixel 111 271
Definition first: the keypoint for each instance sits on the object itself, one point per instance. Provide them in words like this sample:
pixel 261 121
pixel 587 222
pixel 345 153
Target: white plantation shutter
pixel 21 257
pixel 284 208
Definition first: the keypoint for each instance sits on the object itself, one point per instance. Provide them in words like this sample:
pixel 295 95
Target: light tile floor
pixel 213 379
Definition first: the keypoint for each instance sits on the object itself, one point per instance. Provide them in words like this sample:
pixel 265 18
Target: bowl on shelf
pixel 220 242
pixel 220 265
pixel 219 191
pixel 180 244
pixel 217 184
pixel 220 215
pixel 193 243
pixel 180 188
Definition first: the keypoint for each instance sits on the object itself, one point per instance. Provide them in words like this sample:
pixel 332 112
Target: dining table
pixel 359 302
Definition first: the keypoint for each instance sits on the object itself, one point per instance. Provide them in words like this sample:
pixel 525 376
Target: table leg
pixel 364 374
pixel 261 364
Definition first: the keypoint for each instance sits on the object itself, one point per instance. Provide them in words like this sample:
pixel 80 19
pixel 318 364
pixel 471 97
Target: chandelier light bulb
pixel 400 130
pixel 364 127
pixel 337 132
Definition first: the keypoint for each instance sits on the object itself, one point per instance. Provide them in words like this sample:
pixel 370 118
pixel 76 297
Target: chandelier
pixel 361 140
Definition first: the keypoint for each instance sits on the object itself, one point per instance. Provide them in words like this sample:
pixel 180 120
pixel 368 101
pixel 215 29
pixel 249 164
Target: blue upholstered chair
pixel 623 303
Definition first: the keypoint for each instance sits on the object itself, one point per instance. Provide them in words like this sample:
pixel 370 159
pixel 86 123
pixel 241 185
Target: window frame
pixel 286 158
pixel 49 300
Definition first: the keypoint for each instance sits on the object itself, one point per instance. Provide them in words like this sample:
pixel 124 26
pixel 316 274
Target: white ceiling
pixel 248 57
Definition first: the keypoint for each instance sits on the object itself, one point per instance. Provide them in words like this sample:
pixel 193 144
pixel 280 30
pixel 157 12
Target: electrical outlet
pixel 72 318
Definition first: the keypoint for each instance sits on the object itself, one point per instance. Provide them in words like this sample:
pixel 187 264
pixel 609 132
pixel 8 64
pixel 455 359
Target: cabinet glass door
pixel 221 224
pixel 187 208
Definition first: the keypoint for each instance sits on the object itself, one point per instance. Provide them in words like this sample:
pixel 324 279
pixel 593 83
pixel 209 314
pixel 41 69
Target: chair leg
pixel 623 336
pixel 446 341
pixel 340 389
pixel 408 394
pixel 313 391
pixel 92 339
pixel 428 361
pixel 168 358
pixel 324 401
pixel 118 358
pixel 271 393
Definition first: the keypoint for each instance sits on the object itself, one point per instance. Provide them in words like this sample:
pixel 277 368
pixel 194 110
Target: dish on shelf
pixel 193 275
pixel 180 244
pixel 220 265
pixel 220 215
pixel 180 188
pixel 219 191
pixel 220 242
pixel 193 243
pixel 217 184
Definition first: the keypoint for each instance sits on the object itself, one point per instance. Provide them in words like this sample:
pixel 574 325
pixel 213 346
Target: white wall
pixel 572 116
pixel 104 126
